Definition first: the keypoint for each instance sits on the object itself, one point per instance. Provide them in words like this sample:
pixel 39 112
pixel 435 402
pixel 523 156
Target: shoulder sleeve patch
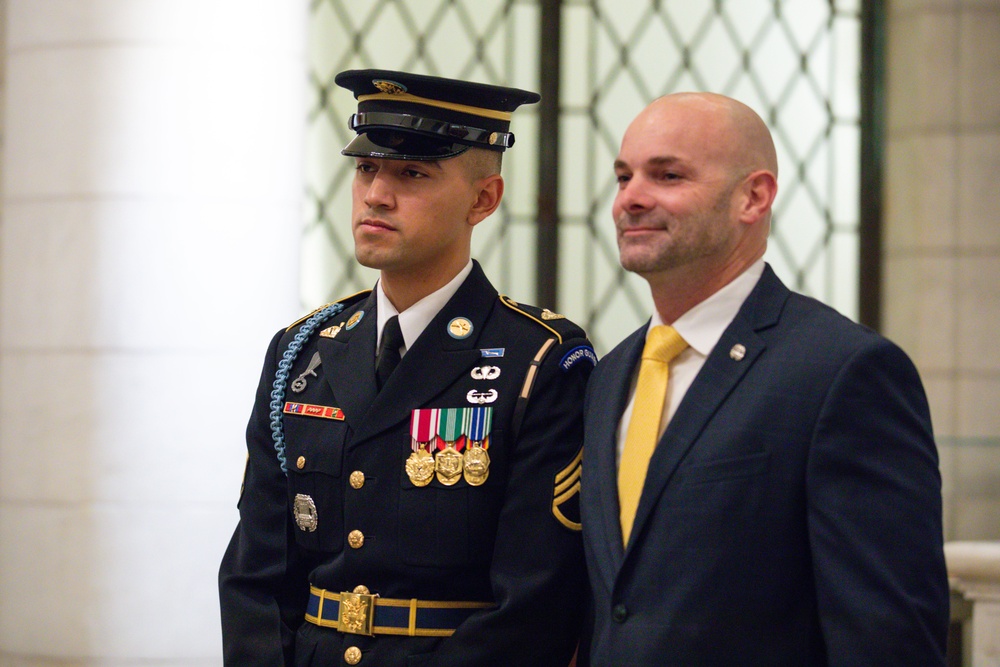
pixel 566 494
pixel 576 355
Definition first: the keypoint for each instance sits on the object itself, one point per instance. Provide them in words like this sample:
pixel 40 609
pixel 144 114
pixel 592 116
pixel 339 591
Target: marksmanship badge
pixel 304 510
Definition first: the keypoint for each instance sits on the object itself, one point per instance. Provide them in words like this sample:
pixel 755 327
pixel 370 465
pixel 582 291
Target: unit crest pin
pixel 460 328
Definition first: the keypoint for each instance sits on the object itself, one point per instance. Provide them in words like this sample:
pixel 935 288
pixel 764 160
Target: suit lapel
pixel 605 417
pixel 713 384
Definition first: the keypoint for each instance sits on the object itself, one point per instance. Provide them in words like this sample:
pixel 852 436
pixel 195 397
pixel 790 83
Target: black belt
pixel 362 613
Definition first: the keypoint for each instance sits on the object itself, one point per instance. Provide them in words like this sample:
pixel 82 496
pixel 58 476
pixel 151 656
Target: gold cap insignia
pixel 389 87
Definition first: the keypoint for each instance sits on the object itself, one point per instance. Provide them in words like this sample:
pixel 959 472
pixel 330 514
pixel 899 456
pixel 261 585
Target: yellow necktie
pixel 662 345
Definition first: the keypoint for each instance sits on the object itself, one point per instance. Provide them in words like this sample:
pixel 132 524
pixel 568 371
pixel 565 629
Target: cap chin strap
pixel 363 121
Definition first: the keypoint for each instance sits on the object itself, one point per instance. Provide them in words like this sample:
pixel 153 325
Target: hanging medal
pixel 423 431
pixel 476 427
pixel 448 461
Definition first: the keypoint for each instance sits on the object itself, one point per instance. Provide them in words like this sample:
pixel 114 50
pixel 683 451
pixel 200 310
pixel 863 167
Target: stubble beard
pixel 642 256
pixel 680 241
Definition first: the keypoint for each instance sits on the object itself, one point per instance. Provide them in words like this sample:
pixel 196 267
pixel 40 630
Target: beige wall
pixel 942 236
pixel 151 210
pixel 98 469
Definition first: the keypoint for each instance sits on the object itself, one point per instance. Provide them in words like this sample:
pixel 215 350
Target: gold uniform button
pixel 357 479
pixel 352 656
pixel 300 463
pixel 356 539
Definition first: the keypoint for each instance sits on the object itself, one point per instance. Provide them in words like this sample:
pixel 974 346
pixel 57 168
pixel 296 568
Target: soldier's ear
pixel 489 194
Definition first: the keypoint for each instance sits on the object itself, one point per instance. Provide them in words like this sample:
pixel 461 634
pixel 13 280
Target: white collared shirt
pixel 415 319
pixel 701 327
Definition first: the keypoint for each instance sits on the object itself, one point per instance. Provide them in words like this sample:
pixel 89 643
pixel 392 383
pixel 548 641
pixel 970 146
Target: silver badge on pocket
pixel 304 510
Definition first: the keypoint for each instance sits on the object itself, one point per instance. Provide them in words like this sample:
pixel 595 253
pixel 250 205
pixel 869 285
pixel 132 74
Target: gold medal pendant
pixel 420 467
pixel 448 464
pixel 476 465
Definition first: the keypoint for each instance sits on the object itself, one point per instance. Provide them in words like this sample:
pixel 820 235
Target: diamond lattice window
pixel 796 62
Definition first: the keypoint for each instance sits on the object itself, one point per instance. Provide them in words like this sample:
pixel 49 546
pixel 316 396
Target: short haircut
pixel 482 162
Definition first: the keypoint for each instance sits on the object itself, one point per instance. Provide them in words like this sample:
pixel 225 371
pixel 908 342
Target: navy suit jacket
pixel 791 514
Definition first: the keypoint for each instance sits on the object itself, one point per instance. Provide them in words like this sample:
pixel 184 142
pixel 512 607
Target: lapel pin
pixel 738 352
pixel 331 332
pixel 460 328
pixel 355 318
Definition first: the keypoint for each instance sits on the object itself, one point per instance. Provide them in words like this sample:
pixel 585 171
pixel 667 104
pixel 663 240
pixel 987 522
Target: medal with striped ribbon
pixel 448 461
pixel 423 432
pixel 476 427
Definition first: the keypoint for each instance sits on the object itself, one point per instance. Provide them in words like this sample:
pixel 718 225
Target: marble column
pixel 942 237
pixel 151 214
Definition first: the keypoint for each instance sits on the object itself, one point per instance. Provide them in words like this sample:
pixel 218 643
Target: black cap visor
pixel 398 145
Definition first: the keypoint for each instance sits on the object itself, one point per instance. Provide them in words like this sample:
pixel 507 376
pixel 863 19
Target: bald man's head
pixel 739 135
pixel 697 177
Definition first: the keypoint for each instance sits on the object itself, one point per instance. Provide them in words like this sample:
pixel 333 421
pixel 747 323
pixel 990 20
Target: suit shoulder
pixel 836 330
pixel 545 320
pixel 345 303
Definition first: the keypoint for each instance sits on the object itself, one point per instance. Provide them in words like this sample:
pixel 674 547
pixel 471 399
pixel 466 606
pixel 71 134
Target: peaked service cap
pixel 406 116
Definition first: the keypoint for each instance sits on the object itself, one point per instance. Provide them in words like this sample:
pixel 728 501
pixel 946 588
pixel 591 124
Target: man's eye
pixel 413 173
pixel 365 167
pixel 622 178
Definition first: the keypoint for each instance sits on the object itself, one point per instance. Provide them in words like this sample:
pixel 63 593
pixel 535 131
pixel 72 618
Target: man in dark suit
pixel 411 491
pixel 761 484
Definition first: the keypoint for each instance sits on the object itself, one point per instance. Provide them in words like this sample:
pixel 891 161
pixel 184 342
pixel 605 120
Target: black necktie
pixel 388 357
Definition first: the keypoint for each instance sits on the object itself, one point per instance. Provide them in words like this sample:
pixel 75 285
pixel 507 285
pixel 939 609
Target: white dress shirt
pixel 701 327
pixel 415 319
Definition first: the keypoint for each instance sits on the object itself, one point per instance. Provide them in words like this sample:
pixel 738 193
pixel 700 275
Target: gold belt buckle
pixel 357 612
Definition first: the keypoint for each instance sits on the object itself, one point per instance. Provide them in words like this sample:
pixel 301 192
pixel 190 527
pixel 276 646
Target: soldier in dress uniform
pixel 411 491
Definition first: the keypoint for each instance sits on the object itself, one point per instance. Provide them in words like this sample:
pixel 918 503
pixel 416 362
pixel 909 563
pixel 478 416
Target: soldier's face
pixel 412 218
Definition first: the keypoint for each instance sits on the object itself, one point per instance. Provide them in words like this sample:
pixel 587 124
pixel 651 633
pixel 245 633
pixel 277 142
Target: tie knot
pixel 663 344
pixel 392 335
pixel 388 357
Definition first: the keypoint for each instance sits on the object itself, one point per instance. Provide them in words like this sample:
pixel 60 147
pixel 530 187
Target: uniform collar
pixel 415 319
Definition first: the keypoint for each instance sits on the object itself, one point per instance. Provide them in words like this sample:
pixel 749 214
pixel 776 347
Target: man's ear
pixel 488 198
pixel 759 190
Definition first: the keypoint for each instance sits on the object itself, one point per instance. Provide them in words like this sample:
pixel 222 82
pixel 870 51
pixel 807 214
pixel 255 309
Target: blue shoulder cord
pixel 281 377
